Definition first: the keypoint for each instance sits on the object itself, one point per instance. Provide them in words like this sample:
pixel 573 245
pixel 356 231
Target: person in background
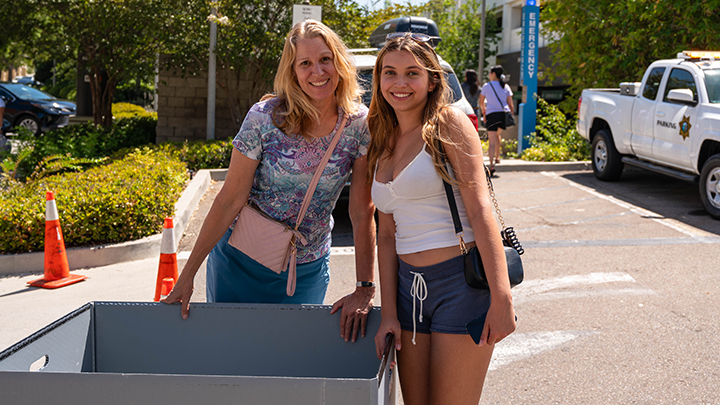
pixel 426 302
pixel 471 89
pixel 4 144
pixel 281 142
pixel 495 101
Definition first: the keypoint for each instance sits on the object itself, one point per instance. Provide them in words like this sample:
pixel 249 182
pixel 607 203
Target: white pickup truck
pixel 668 123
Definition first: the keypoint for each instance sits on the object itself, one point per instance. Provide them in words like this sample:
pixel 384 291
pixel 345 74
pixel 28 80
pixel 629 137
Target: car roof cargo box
pixel 404 24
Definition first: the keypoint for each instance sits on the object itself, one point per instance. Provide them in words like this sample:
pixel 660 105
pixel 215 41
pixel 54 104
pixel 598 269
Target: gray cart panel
pixel 123 353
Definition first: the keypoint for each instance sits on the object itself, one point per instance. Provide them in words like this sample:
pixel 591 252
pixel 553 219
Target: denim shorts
pixel 449 304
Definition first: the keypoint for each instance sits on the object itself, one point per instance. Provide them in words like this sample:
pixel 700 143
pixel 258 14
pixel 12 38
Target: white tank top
pixel 416 199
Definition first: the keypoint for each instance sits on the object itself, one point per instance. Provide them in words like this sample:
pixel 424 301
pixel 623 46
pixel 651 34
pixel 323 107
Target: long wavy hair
pixel 294 106
pixel 382 121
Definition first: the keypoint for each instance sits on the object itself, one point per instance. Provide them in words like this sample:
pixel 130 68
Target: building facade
pixel 509 14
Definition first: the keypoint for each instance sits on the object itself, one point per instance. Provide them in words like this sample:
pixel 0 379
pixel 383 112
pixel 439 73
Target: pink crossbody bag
pixel 272 243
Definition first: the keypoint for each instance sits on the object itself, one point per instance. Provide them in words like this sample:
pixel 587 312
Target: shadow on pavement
pixel 24 290
pixel 665 196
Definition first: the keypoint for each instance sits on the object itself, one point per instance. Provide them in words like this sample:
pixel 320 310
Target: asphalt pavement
pixel 619 304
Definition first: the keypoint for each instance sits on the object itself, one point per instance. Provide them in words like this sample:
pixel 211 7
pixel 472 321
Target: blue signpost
pixel 528 71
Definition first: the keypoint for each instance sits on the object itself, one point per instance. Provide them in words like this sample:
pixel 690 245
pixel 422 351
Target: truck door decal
pixel 685 127
pixel 666 124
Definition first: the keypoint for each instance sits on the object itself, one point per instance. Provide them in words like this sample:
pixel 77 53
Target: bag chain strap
pixel 494 200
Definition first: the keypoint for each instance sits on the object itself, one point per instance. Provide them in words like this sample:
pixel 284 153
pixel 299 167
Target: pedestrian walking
pixel 498 97
pixel 280 145
pixel 426 302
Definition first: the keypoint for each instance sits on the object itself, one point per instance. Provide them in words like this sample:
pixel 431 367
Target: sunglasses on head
pixel 416 36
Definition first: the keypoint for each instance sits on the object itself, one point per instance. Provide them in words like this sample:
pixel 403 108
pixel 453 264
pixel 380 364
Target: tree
pixel 460 32
pixel 604 42
pixel 116 40
pixel 16 27
pixel 251 35
pixel 250 39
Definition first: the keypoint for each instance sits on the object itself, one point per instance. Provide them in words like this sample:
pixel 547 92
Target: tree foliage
pixel 16 28
pixel 460 32
pixel 251 33
pixel 250 39
pixel 250 36
pixel 116 40
pixel 604 42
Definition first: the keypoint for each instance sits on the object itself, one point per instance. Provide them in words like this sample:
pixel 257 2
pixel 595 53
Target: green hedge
pixel 121 201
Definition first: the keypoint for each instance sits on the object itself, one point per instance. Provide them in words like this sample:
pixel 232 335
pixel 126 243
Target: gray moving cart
pixel 143 353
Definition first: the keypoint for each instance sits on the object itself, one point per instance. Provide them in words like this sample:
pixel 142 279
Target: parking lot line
pixel 519 346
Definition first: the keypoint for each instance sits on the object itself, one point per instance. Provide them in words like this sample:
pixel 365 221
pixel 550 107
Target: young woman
pixel 499 101
pixel 425 300
pixel 276 152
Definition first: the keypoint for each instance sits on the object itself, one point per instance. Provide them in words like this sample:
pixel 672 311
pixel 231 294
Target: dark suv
pixel 33 109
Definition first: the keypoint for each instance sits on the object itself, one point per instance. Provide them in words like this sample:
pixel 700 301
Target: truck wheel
pixel 606 160
pixel 710 186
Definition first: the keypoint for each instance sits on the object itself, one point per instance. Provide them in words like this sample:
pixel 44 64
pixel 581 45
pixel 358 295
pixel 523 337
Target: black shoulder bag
pixel 474 270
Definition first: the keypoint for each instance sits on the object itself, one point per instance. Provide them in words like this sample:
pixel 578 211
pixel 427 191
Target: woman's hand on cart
pixel 355 309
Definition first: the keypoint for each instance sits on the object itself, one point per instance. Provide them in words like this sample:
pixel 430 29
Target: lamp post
pixel 210 126
pixel 481 52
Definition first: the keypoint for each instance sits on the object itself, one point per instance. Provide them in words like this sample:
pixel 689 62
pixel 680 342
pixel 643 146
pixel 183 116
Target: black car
pixel 33 109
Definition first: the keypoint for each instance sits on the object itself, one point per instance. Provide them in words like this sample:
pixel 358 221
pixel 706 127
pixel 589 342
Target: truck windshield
pixel 712 84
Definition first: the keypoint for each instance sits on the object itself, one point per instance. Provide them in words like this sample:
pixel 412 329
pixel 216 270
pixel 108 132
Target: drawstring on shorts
pixel 418 290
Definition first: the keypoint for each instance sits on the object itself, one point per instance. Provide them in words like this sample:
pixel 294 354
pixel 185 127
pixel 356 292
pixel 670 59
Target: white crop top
pixel 416 198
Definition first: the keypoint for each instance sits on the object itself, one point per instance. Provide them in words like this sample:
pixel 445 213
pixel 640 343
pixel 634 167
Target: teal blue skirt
pixel 232 276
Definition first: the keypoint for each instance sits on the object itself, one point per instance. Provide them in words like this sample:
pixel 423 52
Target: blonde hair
pixel 382 121
pixel 295 106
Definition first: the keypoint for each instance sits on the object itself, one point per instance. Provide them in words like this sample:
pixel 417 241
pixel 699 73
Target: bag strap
pixel 318 172
pixel 496 95
pixel 453 203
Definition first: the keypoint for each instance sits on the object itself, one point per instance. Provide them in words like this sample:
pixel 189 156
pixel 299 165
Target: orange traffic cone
pixel 167 285
pixel 57 272
pixel 168 258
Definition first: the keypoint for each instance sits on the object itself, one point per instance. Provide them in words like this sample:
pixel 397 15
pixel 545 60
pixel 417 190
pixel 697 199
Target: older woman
pixel 278 148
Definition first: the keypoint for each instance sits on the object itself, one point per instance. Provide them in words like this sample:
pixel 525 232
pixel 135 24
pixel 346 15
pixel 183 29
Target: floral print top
pixel 286 167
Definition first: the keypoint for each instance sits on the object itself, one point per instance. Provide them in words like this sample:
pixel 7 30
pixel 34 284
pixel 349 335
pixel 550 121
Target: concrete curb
pixel 103 255
pixel 517 165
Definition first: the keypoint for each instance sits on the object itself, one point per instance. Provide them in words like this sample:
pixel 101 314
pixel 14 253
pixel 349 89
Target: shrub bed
pixel 197 155
pixel 121 201
pixel 127 110
pixel 556 139
pixel 88 141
